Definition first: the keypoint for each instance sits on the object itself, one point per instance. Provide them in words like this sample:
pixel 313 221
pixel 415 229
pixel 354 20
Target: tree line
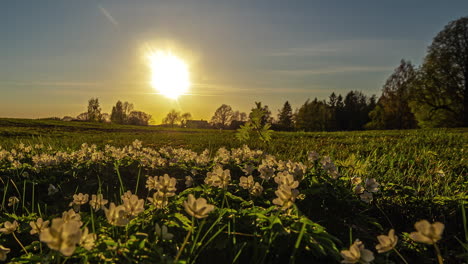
pixel 434 94
pixel 122 113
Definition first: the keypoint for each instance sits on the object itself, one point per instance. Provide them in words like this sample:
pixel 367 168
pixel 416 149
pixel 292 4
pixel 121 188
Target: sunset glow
pixel 169 74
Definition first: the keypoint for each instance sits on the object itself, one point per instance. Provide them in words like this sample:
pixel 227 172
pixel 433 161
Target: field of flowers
pixel 356 197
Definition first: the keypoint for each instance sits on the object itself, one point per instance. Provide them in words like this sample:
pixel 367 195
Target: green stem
pixel 183 246
pixel 120 179
pixel 21 245
pixel 439 255
pixel 401 256
pixel 138 180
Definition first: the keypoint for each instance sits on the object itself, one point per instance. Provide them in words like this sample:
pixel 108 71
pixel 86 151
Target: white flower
pixel 97 201
pixel 87 240
pixel 52 190
pixel 197 208
pixel 357 253
pixel 188 181
pixel 3 253
pixel 116 215
pixel 38 226
pixel 387 243
pixel 427 233
pixel 163 233
pixel 62 236
pixel 372 185
pixel 13 200
pixel 9 227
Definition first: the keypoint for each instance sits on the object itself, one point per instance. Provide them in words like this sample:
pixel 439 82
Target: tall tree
pixel 120 112
pixel 138 118
pixel 285 117
pixel 440 91
pixel 313 116
pixel 172 118
pixel 184 118
pixel 222 117
pixel 94 110
pixel 394 111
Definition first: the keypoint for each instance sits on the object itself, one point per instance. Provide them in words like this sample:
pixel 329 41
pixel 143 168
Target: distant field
pixel 400 156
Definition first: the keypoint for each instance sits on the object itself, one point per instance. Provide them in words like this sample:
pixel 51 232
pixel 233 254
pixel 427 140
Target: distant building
pixel 197 124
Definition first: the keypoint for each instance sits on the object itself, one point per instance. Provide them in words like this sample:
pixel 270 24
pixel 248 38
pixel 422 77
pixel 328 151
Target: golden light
pixel 169 74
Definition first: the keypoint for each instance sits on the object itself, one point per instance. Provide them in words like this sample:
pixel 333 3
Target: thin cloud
pixel 339 47
pixel 108 16
pixel 51 83
pixel 335 70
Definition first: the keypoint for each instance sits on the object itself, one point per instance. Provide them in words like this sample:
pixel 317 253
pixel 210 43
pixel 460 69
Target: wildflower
pixel 359 189
pixel 62 236
pixel 126 195
pixel 133 206
pixel 38 226
pixel 246 182
pixel 248 169
pixel 71 215
pixel 137 144
pixel 3 253
pixel 166 185
pixel 386 243
pixel 427 233
pixel 286 196
pixel 357 253
pixel 87 240
pixel 284 178
pixel 198 208
pixel 163 233
pixel 97 202
pixel 266 171
pixel 9 227
pixel 256 190
pixel 218 177
pixel 79 199
pixel 313 156
pixel 372 185
pixel 13 200
pixel 356 180
pixel 188 181
pixel 158 200
pixel 151 183
pixel 116 215
pixel 51 190
pixel 366 197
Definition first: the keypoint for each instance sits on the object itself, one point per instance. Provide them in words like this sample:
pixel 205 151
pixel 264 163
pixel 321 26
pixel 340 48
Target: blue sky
pixel 55 55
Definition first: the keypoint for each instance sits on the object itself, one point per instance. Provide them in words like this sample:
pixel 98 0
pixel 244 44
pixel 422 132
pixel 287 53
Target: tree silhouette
pixel 94 110
pixel 222 117
pixel 285 117
pixel 440 91
pixel 172 118
pixel 393 111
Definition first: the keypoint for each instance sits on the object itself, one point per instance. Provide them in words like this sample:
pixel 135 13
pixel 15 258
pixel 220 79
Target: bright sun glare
pixel 169 74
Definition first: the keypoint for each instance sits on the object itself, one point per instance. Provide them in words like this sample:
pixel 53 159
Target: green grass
pixel 423 175
pixel 409 157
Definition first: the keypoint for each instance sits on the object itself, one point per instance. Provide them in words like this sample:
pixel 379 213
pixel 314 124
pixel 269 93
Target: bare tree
pixel 222 116
pixel 172 118
pixel 184 117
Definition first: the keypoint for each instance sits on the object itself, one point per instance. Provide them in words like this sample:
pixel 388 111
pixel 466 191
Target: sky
pixel 55 55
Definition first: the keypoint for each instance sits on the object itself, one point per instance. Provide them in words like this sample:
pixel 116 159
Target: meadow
pixel 303 197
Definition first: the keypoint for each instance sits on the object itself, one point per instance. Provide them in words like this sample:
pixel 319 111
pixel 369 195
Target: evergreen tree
pixel 285 117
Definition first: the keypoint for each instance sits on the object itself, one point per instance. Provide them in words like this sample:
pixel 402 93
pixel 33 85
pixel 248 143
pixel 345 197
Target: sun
pixel 169 74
